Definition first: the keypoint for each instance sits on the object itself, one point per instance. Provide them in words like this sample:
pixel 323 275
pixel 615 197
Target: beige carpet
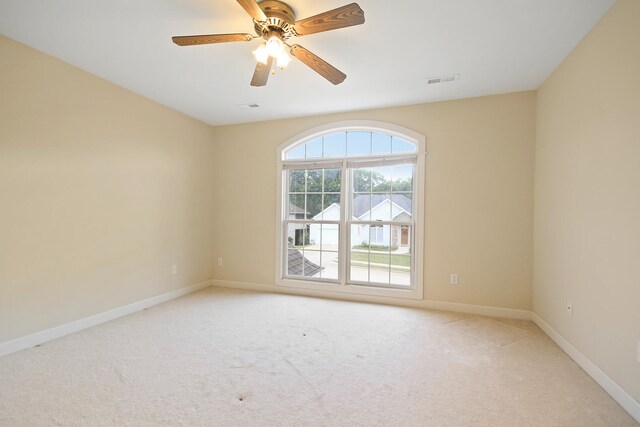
pixel 222 357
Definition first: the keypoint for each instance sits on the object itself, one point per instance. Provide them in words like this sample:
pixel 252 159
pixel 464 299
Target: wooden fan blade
pixel 344 16
pixel 318 65
pixel 211 38
pixel 253 9
pixel 261 73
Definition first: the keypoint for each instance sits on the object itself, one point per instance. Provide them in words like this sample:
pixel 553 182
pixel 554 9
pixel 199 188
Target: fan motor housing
pixel 278 9
pixel 280 20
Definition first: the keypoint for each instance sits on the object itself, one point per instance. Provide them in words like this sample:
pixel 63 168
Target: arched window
pixel 350 210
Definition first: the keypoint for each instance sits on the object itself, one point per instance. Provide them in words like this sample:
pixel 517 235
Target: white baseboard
pixel 483 310
pixel 615 391
pixel 429 304
pixel 29 341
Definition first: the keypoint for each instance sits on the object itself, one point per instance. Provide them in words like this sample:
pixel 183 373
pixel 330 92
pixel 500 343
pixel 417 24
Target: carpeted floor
pixel 223 357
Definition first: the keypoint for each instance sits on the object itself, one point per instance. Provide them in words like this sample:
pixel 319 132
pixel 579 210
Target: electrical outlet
pixel 174 269
pixel 569 308
pixel 220 261
pixel 454 279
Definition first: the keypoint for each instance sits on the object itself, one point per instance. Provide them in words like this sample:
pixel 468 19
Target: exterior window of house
pixel 349 216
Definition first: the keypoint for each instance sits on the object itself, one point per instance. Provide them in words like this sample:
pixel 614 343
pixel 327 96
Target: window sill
pixel 410 293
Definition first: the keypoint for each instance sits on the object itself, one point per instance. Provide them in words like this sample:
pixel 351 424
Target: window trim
pixel 419 186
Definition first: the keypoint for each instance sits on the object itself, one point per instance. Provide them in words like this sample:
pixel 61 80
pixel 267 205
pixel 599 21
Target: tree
pixel 314 184
pixel 366 180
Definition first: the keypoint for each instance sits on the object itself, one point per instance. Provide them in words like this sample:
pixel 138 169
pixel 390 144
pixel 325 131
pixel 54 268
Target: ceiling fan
pixel 275 22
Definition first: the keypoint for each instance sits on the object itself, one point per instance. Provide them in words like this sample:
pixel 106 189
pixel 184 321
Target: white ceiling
pixel 496 46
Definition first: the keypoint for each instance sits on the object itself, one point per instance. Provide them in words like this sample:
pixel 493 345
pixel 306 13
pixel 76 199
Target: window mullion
pixel 284 264
pixel 343 250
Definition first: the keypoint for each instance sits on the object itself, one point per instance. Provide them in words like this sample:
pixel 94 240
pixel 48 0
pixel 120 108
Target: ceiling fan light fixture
pixel 261 54
pixel 283 59
pixel 275 48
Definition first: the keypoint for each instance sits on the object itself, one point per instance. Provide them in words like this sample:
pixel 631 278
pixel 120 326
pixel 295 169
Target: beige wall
pixel 479 195
pixel 101 191
pixel 587 196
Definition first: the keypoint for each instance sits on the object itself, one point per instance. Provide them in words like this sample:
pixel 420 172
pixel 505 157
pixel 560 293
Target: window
pixel 350 217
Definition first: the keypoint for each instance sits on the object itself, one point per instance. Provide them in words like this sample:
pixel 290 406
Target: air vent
pixel 249 105
pixel 443 79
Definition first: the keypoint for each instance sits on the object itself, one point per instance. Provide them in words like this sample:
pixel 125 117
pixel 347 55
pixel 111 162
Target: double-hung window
pixel 350 210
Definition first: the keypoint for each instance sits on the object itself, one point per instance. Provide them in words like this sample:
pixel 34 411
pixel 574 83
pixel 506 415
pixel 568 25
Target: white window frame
pixel 418 205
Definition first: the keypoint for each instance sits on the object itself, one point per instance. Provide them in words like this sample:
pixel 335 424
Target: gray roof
pixel 365 202
pixel 296 262
pixel 293 209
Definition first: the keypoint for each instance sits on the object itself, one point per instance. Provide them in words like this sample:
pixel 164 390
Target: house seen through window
pixel 348 211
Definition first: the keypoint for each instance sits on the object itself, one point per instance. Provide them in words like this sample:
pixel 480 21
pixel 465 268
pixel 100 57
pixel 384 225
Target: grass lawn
pixel 401 260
